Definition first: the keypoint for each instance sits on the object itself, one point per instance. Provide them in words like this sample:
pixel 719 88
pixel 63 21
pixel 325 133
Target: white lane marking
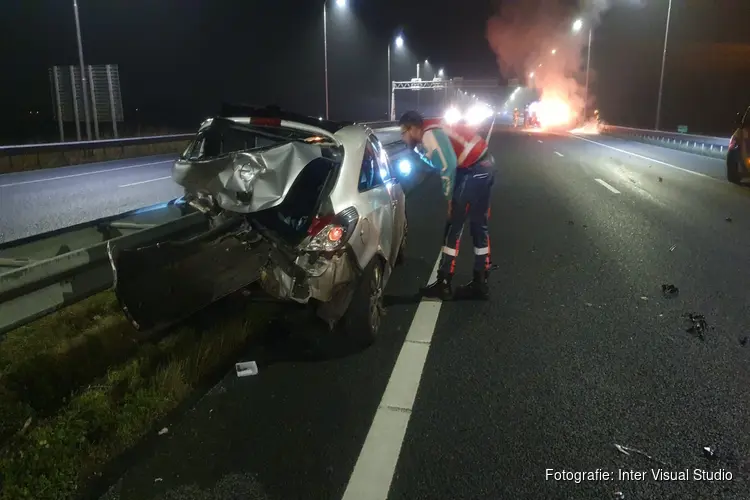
pixel 145 182
pixel 559 154
pixel 376 464
pixel 643 157
pixel 373 473
pixel 607 186
pixel 539 141
pixel 21 183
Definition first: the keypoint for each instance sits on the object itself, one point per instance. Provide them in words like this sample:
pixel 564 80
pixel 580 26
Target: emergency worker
pixel 467 172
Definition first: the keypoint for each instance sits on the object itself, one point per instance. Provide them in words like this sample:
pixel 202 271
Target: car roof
pixel 244 110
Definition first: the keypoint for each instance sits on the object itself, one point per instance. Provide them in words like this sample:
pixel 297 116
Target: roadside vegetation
pixel 79 387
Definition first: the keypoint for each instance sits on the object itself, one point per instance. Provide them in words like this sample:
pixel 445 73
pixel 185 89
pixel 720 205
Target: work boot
pixel 476 289
pixel 439 289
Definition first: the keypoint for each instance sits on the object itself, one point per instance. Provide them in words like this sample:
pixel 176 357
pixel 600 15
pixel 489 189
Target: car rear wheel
pixel 362 319
pixel 733 171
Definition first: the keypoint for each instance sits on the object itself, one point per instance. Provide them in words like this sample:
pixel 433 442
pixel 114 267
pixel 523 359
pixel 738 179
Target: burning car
pixel 307 211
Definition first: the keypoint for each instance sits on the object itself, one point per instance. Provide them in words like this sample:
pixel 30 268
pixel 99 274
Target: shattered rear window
pixel 221 139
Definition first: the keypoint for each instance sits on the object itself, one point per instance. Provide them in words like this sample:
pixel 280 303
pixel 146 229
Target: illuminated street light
pixel 554 51
pixel 441 72
pixel 531 75
pixel 340 4
pixel 426 62
pixel 577 25
pixel 391 101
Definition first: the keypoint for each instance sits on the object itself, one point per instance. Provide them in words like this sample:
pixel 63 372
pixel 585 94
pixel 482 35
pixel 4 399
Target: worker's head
pixel 412 128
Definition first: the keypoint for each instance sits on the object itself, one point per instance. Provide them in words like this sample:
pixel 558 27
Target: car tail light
pixel 330 233
pixel 269 122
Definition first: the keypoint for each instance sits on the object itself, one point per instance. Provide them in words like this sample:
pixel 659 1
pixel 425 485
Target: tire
pixel 362 319
pixel 401 257
pixel 733 174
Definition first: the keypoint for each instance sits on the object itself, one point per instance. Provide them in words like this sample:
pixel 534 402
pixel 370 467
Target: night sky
pixel 179 59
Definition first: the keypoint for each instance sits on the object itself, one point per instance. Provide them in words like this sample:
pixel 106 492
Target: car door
pixel 396 193
pixel 378 223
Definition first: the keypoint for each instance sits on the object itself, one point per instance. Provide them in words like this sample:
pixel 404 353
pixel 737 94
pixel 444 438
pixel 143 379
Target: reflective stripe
pixel 482 251
pixel 449 251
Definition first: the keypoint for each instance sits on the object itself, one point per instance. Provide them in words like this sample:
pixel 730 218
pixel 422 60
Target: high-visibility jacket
pixel 467 144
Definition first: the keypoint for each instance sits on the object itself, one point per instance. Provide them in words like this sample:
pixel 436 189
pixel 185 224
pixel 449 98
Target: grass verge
pixel 57 438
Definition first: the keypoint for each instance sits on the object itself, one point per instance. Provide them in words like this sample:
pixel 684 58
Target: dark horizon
pixel 179 60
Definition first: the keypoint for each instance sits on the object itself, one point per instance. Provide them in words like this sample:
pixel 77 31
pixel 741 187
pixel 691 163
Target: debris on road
pixel 709 452
pixel 619 495
pixel 158 480
pixel 728 219
pixel 698 324
pixel 246 368
pixel 570 222
pixel 163 431
pixel 743 341
pixel 670 291
pixel 627 450
pixel 644 298
pixel 671 249
pixel 589 304
pixel 661 180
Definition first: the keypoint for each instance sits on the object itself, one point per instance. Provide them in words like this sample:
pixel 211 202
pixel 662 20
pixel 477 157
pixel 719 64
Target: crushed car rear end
pixel 265 187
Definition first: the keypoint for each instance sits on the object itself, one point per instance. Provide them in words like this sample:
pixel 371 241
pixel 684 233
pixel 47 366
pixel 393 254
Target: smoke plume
pixel 524 34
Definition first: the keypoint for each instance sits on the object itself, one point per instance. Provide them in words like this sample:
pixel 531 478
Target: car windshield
pixel 223 137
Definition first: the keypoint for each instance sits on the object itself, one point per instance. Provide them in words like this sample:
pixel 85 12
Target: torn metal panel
pixel 246 181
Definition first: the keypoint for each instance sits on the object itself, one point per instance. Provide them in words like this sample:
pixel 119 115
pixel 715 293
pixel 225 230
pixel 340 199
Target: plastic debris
pixel 627 450
pixel 589 304
pixel 661 180
pixel 246 368
pixel 670 291
pixel 698 324
pixel 728 219
pixel 158 480
pixel 743 341
pixel 163 431
pixel 709 452
pixel 644 298
pixel 671 249
pixel 619 495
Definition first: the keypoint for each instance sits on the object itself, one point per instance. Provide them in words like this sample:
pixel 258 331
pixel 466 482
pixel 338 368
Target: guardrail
pixel 715 147
pixel 46 272
pixel 53 154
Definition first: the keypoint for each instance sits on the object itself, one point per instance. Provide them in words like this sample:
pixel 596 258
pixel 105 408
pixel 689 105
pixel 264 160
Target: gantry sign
pixel 451 87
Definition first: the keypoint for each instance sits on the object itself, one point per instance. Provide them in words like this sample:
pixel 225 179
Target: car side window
pixel 382 158
pixel 369 175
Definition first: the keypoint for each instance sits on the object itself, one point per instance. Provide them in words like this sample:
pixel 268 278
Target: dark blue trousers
pixel 472 196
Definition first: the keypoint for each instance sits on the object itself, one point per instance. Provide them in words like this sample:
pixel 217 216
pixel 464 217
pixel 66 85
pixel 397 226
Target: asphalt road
pixel 577 351
pixel 44 200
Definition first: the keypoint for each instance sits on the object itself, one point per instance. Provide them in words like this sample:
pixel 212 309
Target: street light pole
pixel 325 49
pixel 663 62
pixel 390 85
pixel 84 86
pixel 588 68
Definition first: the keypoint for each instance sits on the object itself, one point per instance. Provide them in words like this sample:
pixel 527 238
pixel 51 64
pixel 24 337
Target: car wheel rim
pixel 376 298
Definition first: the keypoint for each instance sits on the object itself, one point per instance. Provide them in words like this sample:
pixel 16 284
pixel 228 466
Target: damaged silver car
pixel 305 210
